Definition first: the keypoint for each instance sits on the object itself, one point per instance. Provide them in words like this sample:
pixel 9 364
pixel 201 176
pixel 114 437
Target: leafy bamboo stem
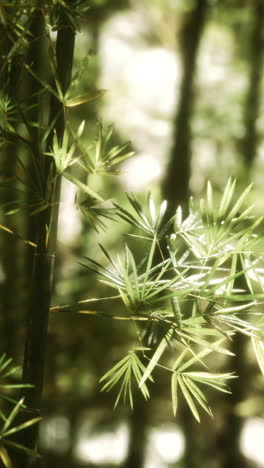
pixel 45 236
pixel 8 169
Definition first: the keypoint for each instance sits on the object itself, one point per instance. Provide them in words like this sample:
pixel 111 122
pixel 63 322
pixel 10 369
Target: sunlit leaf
pixel 258 346
pixel 188 398
pixel 174 395
pixel 5 457
pixel 83 98
pixel 156 356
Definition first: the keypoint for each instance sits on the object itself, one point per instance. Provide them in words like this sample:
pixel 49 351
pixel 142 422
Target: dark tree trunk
pixel 37 60
pixel 253 98
pixel 231 431
pixel 228 445
pixel 176 181
pixel 138 435
pixel 229 440
pixel 193 456
pixel 10 286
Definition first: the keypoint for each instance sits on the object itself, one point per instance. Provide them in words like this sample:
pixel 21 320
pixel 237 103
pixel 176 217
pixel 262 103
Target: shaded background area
pixel 184 83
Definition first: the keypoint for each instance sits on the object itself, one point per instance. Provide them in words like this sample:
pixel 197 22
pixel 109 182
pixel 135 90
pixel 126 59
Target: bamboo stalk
pixel 10 287
pixel 45 236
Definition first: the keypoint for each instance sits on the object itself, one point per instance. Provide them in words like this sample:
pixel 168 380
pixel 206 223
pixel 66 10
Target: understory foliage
pixel 8 420
pixel 206 286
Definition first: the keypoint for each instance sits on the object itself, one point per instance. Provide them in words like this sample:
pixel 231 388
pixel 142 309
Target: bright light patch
pixel 69 220
pixel 151 77
pixel 166 445
pixel 140 171
pixel 110 447
pixel 251 441
pixel 143 83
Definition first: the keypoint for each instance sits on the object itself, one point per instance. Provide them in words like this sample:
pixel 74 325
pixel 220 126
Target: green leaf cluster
pixel 8 422
pixel 129 369
pixel 40 140
pixel 205 287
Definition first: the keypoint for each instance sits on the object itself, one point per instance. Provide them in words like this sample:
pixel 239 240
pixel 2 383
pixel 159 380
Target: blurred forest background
pixel 184 83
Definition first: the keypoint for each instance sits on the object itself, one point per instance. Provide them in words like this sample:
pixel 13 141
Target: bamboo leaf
pixel 210 203
pixel 233 269
pixel 83 98
pixel 23 426
pixel 174 395
pixel 188 398
pixel 5 457
pixel 114 368
pixel 239 203
pixel 156 356
pixel 149 265
pixel 22 448
pixel 4 228
pixel 198 394
pixel 209 375
pixel 178 217
pixel 227 197
pixel 12 415
pixel 152 209
pixel 180 359
pixel 82 186
pixel 131 260
pixel 258 347
pixel 198 357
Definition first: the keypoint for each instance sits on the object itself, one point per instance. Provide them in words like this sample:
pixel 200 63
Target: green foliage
pixel 200 279
pixel 205 288
pixel 8 424
pixel 129 368
pixel 98 158
pixel 102 156
pixel 18 128
pixel 149 222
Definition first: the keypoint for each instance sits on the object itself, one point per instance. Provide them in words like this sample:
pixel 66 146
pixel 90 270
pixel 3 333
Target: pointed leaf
pixel 156 356
pixel 174 395
pixel 258 347
pixel 5 457
pixel 188 398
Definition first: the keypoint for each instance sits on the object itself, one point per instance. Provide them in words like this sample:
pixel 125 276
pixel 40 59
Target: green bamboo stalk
pixel 36 58
pixel 45 237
